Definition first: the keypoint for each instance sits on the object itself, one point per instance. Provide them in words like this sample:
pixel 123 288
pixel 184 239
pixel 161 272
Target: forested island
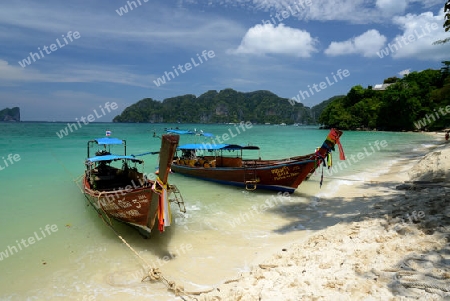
pixel 418 101
pixel 225 106
pixel 10 114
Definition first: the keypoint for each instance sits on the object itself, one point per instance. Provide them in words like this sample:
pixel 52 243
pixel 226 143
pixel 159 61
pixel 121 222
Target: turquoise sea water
pixel 78 258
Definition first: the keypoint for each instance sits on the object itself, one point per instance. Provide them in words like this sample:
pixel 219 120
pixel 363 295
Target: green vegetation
pixel 418 101
pixel 219 107
pixel 10 114
pixel 317 110
pixel 417 96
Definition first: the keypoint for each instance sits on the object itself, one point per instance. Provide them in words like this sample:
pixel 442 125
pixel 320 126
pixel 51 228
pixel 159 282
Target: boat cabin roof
pixel 180 132
pixel 211 147
pixel 184 132
pixel 113 158
pixel 108 141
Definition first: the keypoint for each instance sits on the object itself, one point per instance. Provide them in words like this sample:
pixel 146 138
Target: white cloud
pixel 419 33
pixel 323 10
pixel 356 11
pixel 270 39
pixel 366 44
pixel 404 72
pixel 10 74
pixel 392 7
pixel 14 74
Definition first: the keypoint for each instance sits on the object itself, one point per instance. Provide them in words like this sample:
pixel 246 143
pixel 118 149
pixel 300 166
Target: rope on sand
pixel 154 274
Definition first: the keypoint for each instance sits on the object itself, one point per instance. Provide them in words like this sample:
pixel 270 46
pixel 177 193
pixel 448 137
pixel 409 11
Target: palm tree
pixel 446 23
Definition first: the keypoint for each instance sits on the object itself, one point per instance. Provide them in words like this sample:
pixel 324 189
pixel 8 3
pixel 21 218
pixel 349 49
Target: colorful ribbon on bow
pixel 164 213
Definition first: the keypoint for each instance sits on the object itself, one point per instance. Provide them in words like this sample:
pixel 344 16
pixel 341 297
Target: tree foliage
pixel 447 16
pixel 225 106
pixel 391 80
pixel 397 108
pixel 8 114
pixel 446 23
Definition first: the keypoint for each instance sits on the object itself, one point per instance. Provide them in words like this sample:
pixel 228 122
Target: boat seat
pixel 104 178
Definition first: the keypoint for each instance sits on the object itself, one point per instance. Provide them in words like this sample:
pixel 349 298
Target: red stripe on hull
pixel 290 174
pixel 131 207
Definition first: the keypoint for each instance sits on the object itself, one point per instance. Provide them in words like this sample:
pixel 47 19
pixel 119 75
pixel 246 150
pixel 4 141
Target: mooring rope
pixel 154 274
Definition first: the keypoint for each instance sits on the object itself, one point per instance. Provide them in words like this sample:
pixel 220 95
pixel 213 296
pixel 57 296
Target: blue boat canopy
pixel 184 132
pixel 211 147
pixel 112 158
pixel 108 141
pixel 180 132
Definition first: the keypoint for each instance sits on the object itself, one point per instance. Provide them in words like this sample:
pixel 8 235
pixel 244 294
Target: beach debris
pixel 268 266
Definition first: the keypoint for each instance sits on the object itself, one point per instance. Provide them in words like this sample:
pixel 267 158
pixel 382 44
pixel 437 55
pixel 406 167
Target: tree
pixel 395 109
pixel 391 80
pixel 446 23
pixel 447 16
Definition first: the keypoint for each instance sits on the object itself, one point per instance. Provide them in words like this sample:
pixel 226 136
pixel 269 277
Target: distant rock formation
pixel 225 106
pixel 10 114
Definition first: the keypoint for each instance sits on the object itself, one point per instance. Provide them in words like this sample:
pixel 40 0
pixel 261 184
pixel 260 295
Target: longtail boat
pixel 210 162
pixel 116 187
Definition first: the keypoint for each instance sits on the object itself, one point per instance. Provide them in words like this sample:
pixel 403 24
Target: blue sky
pixel 119 58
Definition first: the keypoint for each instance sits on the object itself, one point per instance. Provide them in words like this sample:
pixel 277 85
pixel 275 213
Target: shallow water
pixel 225 230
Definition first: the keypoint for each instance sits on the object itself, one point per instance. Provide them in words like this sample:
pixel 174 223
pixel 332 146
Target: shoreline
pixel 381 242
pixel 88 261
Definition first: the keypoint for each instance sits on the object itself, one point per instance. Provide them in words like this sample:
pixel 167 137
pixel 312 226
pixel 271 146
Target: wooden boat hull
pixel 280 175
pixel 136 204
pixel 285 177
pixel 128 206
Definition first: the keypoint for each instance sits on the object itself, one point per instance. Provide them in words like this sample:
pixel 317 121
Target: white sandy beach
pixel 387 243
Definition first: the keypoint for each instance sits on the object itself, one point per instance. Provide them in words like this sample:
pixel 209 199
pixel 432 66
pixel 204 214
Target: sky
pixel 61 60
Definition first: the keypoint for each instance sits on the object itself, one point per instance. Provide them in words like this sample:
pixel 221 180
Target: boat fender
pixel 329 160
pixel 321 179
